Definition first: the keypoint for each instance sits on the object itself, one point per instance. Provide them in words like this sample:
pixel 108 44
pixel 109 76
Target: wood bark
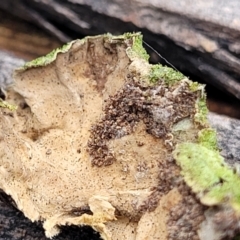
pixel 199 39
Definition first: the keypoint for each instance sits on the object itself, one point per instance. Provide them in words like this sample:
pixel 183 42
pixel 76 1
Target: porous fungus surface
pixel 92 138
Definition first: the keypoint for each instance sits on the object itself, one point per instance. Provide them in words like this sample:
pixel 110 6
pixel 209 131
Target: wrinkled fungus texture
pixel 92 138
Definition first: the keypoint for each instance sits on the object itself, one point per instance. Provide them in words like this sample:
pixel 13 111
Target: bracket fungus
pixel 101 137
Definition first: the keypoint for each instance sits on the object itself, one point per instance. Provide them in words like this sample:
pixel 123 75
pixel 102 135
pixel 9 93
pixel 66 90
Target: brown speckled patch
pixel 157 106
pixel 169 178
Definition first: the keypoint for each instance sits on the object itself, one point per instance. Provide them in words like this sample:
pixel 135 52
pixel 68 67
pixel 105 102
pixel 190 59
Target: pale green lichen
pixel 4 104
pixel 47 59
pixel 208 176
pixel 166 74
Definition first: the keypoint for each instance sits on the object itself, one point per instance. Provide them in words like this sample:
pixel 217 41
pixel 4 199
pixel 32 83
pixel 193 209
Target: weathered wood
pixel 200 39
pixel 15 226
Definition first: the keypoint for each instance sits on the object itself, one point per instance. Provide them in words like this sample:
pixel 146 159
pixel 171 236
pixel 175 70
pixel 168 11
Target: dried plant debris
pixel 103 138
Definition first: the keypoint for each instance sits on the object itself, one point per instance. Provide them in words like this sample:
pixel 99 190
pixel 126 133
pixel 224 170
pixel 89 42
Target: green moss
pixel 169 75
pixel 135 49
pixel 208 138
pixel 157 72
pixel 4 104
pixel 50 57
pixel 195 86
pixel 201 111
pixel 201 106
pixel 206 173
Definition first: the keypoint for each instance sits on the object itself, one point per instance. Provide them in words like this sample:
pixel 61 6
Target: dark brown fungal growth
pixel 158 106
pixel 222 223
pixel 168 179
pixel 151 203
pixel 228 222
pixel 186 217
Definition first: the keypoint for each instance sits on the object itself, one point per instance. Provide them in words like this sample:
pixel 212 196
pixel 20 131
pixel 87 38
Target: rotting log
pixel 200 39
pixel 150 96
